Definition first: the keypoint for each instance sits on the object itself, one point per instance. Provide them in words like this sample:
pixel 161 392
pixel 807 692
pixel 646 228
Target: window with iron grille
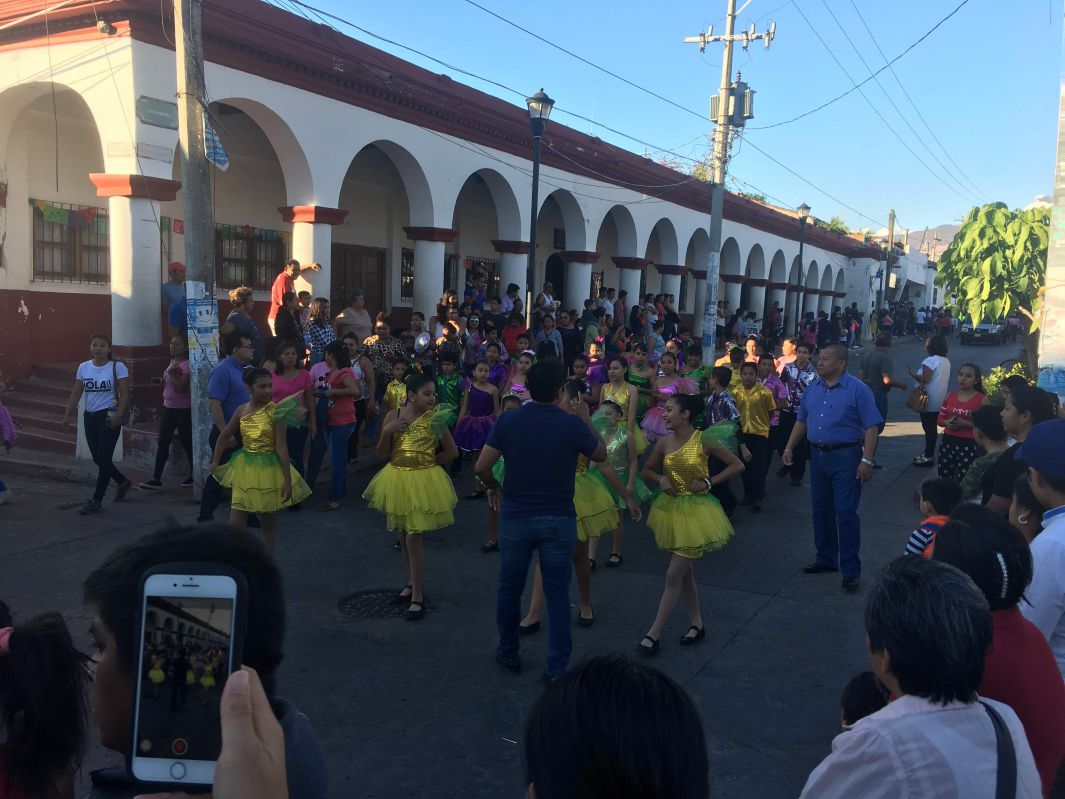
pixel 247 256
pixel 406 274
pixel 491 269
pixel 70 243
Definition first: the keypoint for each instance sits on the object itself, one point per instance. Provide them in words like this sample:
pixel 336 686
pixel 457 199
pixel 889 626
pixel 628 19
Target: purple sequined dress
pixel 471 431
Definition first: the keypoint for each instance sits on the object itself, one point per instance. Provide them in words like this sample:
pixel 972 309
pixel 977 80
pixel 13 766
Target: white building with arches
pixel 394 178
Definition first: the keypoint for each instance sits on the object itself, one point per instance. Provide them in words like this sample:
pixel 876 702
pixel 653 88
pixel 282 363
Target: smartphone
pixel 190 631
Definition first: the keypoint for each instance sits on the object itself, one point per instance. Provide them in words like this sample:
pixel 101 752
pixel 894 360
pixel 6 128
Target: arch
pixel 841 283
pixel 508 213
pixel 299 187
pixel 730 258
pixel 697 255
pixel 826 278
pixel 667 242
pixel 795 275
pixel 813 276
pixel 16 99
pixel 778 268
pixel 572 218
pixel 625 226
pixel 419 196
pixel 756 263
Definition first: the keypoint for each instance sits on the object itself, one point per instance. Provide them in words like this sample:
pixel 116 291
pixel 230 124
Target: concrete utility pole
pixel 199 223
pixel 881 296
pixel 734 106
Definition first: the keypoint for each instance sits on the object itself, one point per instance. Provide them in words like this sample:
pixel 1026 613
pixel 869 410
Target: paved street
pixel 422 710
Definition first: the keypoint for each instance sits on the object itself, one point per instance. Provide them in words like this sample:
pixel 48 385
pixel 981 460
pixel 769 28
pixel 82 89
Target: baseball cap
pixel 176 266
pixel 1044 448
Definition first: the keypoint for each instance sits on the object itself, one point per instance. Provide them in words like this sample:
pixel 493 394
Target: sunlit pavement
pixel 421 709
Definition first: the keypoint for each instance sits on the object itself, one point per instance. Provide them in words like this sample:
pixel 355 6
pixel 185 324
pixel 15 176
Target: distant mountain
pixel 941 235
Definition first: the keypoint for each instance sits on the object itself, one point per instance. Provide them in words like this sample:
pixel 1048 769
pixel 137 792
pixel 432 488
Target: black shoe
pixel 151 485
pixel 204 517
pixel 688 640
pixel 591 561
pixel 401 598
pixel 186 483
pixel 529 629
pixel 615 560
pixel 511 663
pixel 415 615
pixel 91 507
pixel 122 490
pixel 783 470
pixel 851 583
pixel 583 622
pixel 818 568
pixel 648 650
pixel 490 546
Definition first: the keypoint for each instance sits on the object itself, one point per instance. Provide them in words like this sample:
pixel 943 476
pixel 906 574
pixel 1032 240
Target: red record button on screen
pixel 179 747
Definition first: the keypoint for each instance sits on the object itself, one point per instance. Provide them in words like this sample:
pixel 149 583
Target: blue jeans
pixel 554 538
pixel 835 492
pixel 338 436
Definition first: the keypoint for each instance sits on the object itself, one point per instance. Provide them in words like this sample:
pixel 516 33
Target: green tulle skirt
pixel 413 500
pixel 256 481
pixel 596 512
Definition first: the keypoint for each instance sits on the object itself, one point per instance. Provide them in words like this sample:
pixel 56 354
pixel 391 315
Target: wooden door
pixel 360 268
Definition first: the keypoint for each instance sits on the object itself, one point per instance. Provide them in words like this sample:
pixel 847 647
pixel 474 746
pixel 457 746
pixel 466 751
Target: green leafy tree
pixel 750 195
pixel 836 225
pixel 997 263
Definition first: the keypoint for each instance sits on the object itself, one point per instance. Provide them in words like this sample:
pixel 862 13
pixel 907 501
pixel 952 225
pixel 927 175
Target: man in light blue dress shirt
pixel 838 416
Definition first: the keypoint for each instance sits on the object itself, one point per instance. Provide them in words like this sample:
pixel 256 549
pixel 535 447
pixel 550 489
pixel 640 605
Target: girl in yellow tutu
pixel 597 513
pixel 413 492
pixel 685 517
pixel 623 446
pixel 259 473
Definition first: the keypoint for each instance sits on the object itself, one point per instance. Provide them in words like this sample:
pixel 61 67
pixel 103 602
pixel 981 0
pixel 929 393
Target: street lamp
pixel 540 106
pixel 804 212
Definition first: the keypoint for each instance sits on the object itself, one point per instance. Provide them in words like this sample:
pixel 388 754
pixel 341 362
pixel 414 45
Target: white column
pixel 135 275
pixel 671 285
pixel 756 299
pixel 428 275
pixel 512 269
pixel 732 292
pixel 629 280
pixel 578 284
pixel 809 301
pixel 699 312
pixel 312 242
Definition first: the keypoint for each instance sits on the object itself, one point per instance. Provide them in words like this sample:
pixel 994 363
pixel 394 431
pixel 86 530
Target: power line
pixel 898 110
pixel 862 83
pixel 584 60
pixel 876 110
pixel 913 105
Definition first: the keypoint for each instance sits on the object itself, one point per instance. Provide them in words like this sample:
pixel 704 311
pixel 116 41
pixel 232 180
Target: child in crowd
pixel 412 490
pixel 259 473
pixel 515 382
pixel 396 390
pixel 862 696
pixel 990 437
pixel 480 406
pixel 497 370
pixel 44 687
pixel 177 413
pixel 938 498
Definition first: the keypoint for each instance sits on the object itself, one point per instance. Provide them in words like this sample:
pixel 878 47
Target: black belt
pixel 831 447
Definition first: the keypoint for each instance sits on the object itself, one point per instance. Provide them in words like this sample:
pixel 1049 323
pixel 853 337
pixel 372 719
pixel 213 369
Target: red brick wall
pixel 48 327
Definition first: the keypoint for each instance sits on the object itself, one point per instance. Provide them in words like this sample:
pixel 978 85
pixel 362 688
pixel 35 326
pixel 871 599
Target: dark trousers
pixel 102 438
pixel 801 454
pixel 721 491
pixel 835 492
pixel 296 438
pixel 754 475
pixel 212 489
pixel 174 419
pixel 931 432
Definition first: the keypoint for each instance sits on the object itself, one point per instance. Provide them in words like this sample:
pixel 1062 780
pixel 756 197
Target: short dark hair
pixel 339 352
pixel 802 345
pixel 839 351
pixel 512 287
pixel 862 696
pixel 232 340
pixel 544 379
pixel 449 357
pixel 988 420
pixel 1036 402
pixel 736 354
pixel 255 373
pixel 1013 382
pixel 942 494
pixel 112 588
pixel 883 339
pixel 748 365
pixel 937 345
pixel 935 625
pixel 990 550
pixel 415 381
pixel 722 374
pixel 1025 497
pixel 688 402
pixel 572 745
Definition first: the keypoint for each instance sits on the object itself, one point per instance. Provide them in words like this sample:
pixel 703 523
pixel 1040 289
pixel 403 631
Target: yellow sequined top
pixel 618 395
pixel 395 395
pixel 257 430
pixel 415 447
pixel 582 463
pixel 686 464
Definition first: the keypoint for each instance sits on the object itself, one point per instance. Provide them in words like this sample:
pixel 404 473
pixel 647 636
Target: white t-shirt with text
pixel 99 384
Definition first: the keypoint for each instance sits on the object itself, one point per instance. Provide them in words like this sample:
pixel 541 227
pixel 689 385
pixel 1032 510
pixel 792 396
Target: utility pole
pixel 881 296
pixel 199 224
pixel 735 105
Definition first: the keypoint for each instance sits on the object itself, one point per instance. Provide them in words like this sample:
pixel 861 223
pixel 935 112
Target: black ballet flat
pixel 529 629
pixel 401 598
pixel 688 640
pixel 648 650
pixel 415 615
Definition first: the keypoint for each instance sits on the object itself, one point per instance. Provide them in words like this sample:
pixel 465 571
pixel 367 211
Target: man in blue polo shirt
pixel 838 416
pixel 541 443
pixel 225 392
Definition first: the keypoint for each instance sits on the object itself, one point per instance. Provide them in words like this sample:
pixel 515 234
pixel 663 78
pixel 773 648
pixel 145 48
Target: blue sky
pixel 986 83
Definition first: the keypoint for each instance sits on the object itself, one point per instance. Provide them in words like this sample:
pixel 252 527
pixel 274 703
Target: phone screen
pixel 186 655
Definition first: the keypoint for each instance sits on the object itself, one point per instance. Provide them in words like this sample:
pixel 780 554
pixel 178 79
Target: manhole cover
pixel 373 604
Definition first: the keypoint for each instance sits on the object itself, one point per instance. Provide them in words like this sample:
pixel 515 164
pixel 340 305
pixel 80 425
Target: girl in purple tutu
pixel 668 384
pixel 480 407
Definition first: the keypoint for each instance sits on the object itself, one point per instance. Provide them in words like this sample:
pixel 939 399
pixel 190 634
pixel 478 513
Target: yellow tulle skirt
pixel 257 480
pixel 689 525
pixel 596 512
pixel 413 500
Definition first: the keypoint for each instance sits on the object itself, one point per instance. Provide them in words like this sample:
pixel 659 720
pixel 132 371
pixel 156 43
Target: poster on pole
pixel 202 316
pixel 710 309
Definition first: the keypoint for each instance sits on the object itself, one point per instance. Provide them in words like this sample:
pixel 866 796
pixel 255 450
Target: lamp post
pixel 540 106
pixel 804 211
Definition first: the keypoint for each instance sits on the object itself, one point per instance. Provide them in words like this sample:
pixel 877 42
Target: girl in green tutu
pixel 259 473
pixel 685 517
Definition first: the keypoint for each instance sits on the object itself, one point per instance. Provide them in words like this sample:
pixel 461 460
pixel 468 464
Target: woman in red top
pixel 957 449
pixel 1020 669
pixel 44 684
pixel 340 418
pixel 514 327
